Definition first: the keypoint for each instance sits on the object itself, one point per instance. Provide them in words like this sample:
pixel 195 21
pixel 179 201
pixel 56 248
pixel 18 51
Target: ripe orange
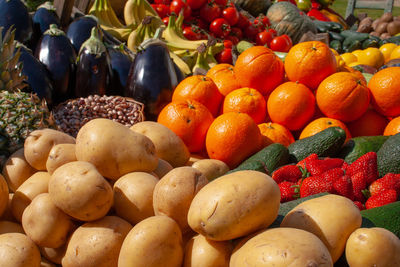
pixel 291 104
pixel 393 127
pixel 189 120
pixel 232 137
pixel 258 67
pixel 321 124
pixel 276 133
pixel 309 63
pixel 201 89
pixel 343 96
pixel 224 77
pixel 384 86
pixel 369 124
pixel 246 100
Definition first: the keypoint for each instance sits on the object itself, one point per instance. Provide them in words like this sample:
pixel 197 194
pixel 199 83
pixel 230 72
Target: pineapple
pixel 20 112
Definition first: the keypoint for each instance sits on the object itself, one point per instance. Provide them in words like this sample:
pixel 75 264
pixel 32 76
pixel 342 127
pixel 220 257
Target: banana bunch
pixel 145 30
pixel 136 10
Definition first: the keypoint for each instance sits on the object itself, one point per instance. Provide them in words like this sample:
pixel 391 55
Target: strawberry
pixel 288 191
pixel 385 197
pixel 314 185
pixel 359 205
pixel 305 161
pixel 389 181
pixel 367 165
pixel 344 187
pixel 359 184
pixel 291 173
pixel 319 166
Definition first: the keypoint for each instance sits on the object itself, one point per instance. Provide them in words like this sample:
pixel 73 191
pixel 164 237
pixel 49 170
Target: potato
pixel 114 149
pixel 96 243
pixel 16 170
pixel 155 241
pixel 373 247
pixel 316 216
pixel 163 168
pixel 375 23
pixel 393 27
pixel 202 252
pixel 366 21
pixel 59 155
pixel 195 157
pixel 79 190
pixel 387 17
pixel 364 28
pixel 7 215
pixel 18 250
pixel 133 196
pixel 211 168
pixel 36 184
pixel 54 255
pixel 235 205
pixel 10 227
pixel 282 247
pixel 3 195
pixel 39 143
pixel 385 35
pixel 175 191
pixel 45 263
pixel 169 146
pixel 44 223
pixel 381 28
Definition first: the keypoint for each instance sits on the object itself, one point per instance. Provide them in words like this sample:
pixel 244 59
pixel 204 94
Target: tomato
pixel 164 2
pixel 165 20
pixel 228 43
pixel 288 39
pixel 176 7
pixel 233 39
pixel 273 31
pixel 196 4
pixel 264 38
pixel 191 33
pixel 237 32
pixel 265 21
pixel 221 2
pixel 243 21
pixel 220 27
pixel 225 56
pixel 161 9
pixel 231 15
pixel 251 31
pixel 210 12
pixel 280 44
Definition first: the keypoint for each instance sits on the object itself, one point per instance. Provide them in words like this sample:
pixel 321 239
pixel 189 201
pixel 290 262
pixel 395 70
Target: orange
pixel 224 77
pixel 276 133
pixel 291 104
pixel 309 63
pixel 233 137
pixel 343 96
pixel 393 127
pixel 189 120
pixel 201 89
pixel 246 100
pixel 385 91
pixel 321 124
pixel 258 67
pixel 369 124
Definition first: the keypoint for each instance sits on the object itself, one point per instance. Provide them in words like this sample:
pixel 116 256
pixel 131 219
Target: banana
pixel 121 34
pixel 201 61
pixel 182 65
pixel 111 15
pixel 134 12
pixel 144 31
pixel 149 10
pixel 98 10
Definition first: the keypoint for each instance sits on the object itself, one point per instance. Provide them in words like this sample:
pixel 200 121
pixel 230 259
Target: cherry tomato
pixel 233 39
pixel 176 7
pixel 251 31
pixel 288 39
pixel 280 44
pixel 265 21
pixel 210 12
pixel 191 33
pixel 164 2
pixel 225 56
pixel 264 38
pixel 220 27
pixel 237 32
pixel 199 22
pixel 228 43
pixel 196 4
pixel 273 31
pixel 161 9
pixel 243 21
pixel 221 2
pixel 231 15
pixel 165 20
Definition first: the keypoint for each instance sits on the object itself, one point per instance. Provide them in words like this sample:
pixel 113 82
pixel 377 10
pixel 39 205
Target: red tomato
pixel 274 33
pixel 231 15
pixel 210 12
pixel 233 39
pixel 265 21
pixel 264 38
pixel 165 2
pixel 225 56
pixel 280 44
pixel 288 39
pixel 165 20
pixel 176 7
pixel 220 27
pixel 199 22
pixel 221 2
pixel 161 9
pixel 243 21
pixel 228 43
pixel 196 4
pixel 191 33
pixel 237 32
pixel 251 31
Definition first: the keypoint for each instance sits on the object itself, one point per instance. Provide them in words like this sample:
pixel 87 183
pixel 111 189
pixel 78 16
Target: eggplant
pixel 44 16
pixel 93 72
pixel 14 13
pixel 152 77
pixel 79 30
pixel 56 52
pixel 120 65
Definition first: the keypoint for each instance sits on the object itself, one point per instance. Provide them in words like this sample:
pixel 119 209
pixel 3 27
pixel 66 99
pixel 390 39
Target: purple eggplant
pixel 56 52
pixel 44 16
pixel 14 13
pixel 120 65
pixel 79 30
pixel 93 71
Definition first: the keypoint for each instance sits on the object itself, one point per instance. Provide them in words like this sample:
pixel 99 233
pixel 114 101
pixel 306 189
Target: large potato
pixel 37 184
pixel 133 196
pixel 18 250
pixel 10 227
pixel 46 263
pixel 96 243
pixel 79 190
pixel 332 218
pixel 44 223
pixel 7 215
pixel 3 195
pixel 59 155
pixel 282 247
pixel 114 149
pixel 211 168
pixel 175 191
pixel 54 255
pixel 202 252
pixel 373 247
pixel 153 242
pixel 235 205
pixel 169 146
pixel 17 170
pixel 163 168
pixel 39 143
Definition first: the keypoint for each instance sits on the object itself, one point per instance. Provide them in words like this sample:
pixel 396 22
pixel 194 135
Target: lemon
pixel 387 49
pixel 348 58
pixel 356 63
pixel 395 53
pixel 357 52
pixel 371 56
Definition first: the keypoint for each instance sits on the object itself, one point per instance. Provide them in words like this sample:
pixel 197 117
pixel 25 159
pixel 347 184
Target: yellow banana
pixel 144 31
pixel 111 15
pixel 182 65
pixel 149 10
pixel 99 11
pixel 134 12
pixel 121 34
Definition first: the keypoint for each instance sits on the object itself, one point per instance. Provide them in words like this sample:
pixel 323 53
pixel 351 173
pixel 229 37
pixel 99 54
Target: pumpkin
pixel 254 7
pixel 285 18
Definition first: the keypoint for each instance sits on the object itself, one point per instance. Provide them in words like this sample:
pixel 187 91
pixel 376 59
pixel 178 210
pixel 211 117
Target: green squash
pixel 254 7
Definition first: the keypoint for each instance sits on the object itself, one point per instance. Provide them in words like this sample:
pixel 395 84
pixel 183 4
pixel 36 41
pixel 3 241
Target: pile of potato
pixel 132 197
pixel 384 27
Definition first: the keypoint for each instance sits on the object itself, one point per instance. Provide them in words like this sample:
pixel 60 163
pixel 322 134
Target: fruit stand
pixel 198 133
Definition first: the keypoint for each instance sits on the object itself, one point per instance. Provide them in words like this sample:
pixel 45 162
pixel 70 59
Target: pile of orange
pixel 234 111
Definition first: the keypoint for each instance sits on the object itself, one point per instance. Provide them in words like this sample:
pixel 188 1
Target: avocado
pixel 389 156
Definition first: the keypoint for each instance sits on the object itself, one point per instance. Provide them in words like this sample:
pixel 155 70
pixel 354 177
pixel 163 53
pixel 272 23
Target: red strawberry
pixel 389 181
pixel 319 166
pixel 359 184
pixel 385 197
pixel 344 187
pixel 291 173
pixel 359 205
pixel 332 175
pixel 288 191
pixel 367 165
pixel 303 163
pixel 314 185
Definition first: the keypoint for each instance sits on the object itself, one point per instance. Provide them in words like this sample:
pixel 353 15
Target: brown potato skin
pixel 54 255
pixel 18 250
pixel 10 227
pixel 163 168
pixel 59 155
pixel 211 168
pixel 3 195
